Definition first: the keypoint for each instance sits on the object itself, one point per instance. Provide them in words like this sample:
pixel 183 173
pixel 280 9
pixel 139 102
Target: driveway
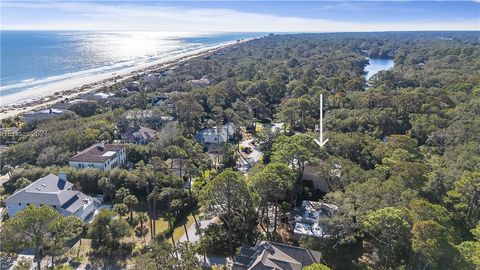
pixel 248 160
pixel 193 233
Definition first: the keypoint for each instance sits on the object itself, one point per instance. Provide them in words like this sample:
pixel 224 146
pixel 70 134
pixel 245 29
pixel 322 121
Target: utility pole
pixel 320 141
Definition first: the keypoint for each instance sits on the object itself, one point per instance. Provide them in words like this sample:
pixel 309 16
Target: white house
pixel 100 156
pixel 54 191
pixel 211 136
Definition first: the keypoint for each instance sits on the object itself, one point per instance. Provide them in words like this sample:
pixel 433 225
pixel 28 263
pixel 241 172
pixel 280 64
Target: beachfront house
pixel 138 135
pixel 100 156
pixel 43 114
pixel 133 87
pixel 271 255
pixel 212 136
pixel 54 191
pixel 309 219
pixel 152 78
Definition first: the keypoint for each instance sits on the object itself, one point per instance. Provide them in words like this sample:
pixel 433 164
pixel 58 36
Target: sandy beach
pixel 25 101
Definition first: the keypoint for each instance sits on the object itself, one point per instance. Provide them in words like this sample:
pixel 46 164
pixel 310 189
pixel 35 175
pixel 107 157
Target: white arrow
pixel 321 142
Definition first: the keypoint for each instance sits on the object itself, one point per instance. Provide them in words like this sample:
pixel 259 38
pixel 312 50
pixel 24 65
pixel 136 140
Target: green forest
pixel 406 144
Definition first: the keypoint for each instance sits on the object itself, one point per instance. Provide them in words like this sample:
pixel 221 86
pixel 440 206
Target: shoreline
pixel 52 93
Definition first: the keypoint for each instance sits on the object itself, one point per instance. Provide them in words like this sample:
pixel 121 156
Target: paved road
pixel 252 158
pixel 193 233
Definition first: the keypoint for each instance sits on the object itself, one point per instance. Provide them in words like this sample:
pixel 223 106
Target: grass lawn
pixel 179 230
pixel 81 250
pixel 161 225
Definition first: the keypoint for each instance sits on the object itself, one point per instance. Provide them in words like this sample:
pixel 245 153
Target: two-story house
pixel 54 191
pixel 212 136
pixel 138 135
pixel 100 156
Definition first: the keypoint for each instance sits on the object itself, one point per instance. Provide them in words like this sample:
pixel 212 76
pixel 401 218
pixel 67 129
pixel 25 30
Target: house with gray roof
pixel 133 87
pixel 309 219
pixel 212 136
pixel 54 191
pixel 43 114
pixel 138 135
pixel 100 156
pixel 274 256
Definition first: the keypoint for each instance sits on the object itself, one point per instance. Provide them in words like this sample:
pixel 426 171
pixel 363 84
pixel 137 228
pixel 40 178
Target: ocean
pixel 33 59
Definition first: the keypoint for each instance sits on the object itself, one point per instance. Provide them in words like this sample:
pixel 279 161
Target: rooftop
pixel 307 218
pixel 140 132
pixel 96 153
pixel 43 114
pixel 50 190
pixel 270 255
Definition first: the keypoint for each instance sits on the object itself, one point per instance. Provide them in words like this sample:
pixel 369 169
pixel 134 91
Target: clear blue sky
pixel 244 16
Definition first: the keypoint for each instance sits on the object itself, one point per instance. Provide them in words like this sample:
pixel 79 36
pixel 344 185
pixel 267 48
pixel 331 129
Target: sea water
pixel 31 59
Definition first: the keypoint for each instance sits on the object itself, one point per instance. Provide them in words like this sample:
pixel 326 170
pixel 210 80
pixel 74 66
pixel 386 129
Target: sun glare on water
pixel 112 46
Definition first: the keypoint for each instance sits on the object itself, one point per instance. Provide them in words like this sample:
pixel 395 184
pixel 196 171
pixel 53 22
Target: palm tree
pixel 121 209
pixel 145 176
pixel 130 201
pixel 142 218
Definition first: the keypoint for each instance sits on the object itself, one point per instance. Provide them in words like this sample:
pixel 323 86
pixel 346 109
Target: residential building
pixel 54 191
pixel 152 78
pixel 133 87
pixel 100 156
pixel 272 256
pixel 212 136
pixel 163 101
pixel 138 135
pixel 43 114
pixel 308 220
pixel 101 95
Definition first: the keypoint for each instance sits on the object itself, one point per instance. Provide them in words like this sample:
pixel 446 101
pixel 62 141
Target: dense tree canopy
pixel 402 162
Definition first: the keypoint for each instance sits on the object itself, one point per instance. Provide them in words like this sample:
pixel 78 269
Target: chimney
pixel 62 176
pixel 101 146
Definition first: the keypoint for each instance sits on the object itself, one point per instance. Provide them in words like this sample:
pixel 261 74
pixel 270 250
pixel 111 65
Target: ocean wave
pixel 33 83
